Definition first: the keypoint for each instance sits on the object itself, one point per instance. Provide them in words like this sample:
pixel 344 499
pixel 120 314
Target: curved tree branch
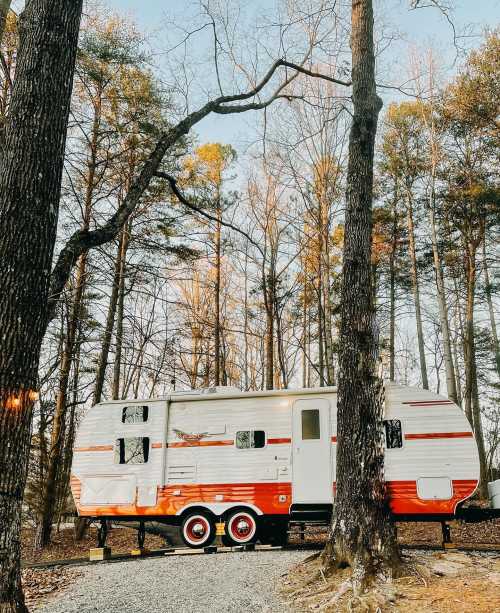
pixel 83 240
pixel 193 207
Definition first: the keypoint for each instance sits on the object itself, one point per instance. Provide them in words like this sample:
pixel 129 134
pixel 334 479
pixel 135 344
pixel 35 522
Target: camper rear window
pixel 250 439
pixel 393 434
pixel 134 414
pixel 134 450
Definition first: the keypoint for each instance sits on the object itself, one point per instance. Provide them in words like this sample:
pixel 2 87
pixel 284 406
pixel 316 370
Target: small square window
pixel 310 425
pixel 134 414
pixel 134 450
pixel 393 434
pixel 250 439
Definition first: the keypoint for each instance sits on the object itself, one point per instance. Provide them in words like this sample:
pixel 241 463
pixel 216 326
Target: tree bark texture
pixel 362 535
pixel 30 181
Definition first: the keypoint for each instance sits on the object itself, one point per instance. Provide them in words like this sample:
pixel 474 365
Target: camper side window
pixel 393 434
pixel 250 439
pixel 134 414
pixel 134 450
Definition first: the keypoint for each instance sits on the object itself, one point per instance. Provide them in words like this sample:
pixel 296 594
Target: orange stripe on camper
pixel 430 435
pixel 278 441
pixel 156 445
pixel 95 448
pixel 201 443
pixel 427 403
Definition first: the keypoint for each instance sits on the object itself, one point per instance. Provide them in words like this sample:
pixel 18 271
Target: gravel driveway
pixel 232 582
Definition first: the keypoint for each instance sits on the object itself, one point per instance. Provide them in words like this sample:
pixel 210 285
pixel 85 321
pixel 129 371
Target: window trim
pixel 250 448
pixel 402 435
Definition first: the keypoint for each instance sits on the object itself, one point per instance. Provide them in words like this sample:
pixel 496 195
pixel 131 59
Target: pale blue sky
pixel 421 27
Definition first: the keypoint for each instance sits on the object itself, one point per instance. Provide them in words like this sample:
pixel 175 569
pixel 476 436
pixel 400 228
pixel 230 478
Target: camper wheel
pixel 197 530
pixel 241 528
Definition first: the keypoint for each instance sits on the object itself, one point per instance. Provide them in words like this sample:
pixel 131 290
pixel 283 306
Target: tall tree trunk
pixel 472 406
pixel 122 255
pixel 110 323
pixel 442 305
pixel 478 432
pixel 469 349
pixel 269 349
pixel 363 534
pixel 217 335
pixel 245 324
pixel 304 336
pixel 30 182
pixel 491 310
pixel 319 293
pixel 327 299
pixel 416 291
pixel 392 291
pixel 58 423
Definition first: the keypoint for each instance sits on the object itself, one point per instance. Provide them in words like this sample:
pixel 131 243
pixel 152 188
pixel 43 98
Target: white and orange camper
pixel 259 459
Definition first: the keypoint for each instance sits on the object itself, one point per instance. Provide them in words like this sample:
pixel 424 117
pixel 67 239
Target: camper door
pixel 311 464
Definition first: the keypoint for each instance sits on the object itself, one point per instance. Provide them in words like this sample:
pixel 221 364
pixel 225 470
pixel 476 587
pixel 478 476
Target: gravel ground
pixel 222 583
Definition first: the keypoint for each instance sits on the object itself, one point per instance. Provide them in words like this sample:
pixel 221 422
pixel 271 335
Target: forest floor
pixel 434 582
pixel 429 592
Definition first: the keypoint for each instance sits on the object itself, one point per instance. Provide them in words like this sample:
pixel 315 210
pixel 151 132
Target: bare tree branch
pixel 83 240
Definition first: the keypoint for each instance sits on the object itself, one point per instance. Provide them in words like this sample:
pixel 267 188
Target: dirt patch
pixel 438 582
pixel 41 584
pixel 426 533
pixel 64 546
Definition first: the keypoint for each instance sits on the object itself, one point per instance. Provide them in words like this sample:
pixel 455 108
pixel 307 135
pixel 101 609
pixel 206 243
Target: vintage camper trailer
pixel 259 459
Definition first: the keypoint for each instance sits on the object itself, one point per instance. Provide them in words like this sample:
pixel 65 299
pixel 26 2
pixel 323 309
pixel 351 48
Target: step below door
pixel 311 464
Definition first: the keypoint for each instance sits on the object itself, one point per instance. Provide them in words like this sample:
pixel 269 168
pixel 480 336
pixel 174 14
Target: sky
pixel 421 27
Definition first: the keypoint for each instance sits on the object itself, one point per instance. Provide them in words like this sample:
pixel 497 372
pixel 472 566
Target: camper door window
pixel 250 439
pixel 310 425
pixel 134 450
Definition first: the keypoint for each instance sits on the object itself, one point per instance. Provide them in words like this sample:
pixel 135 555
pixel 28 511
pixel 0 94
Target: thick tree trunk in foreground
pixel 30 181
pixel 363 535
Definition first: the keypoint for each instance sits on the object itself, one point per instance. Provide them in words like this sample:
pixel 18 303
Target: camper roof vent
pixel 219 389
